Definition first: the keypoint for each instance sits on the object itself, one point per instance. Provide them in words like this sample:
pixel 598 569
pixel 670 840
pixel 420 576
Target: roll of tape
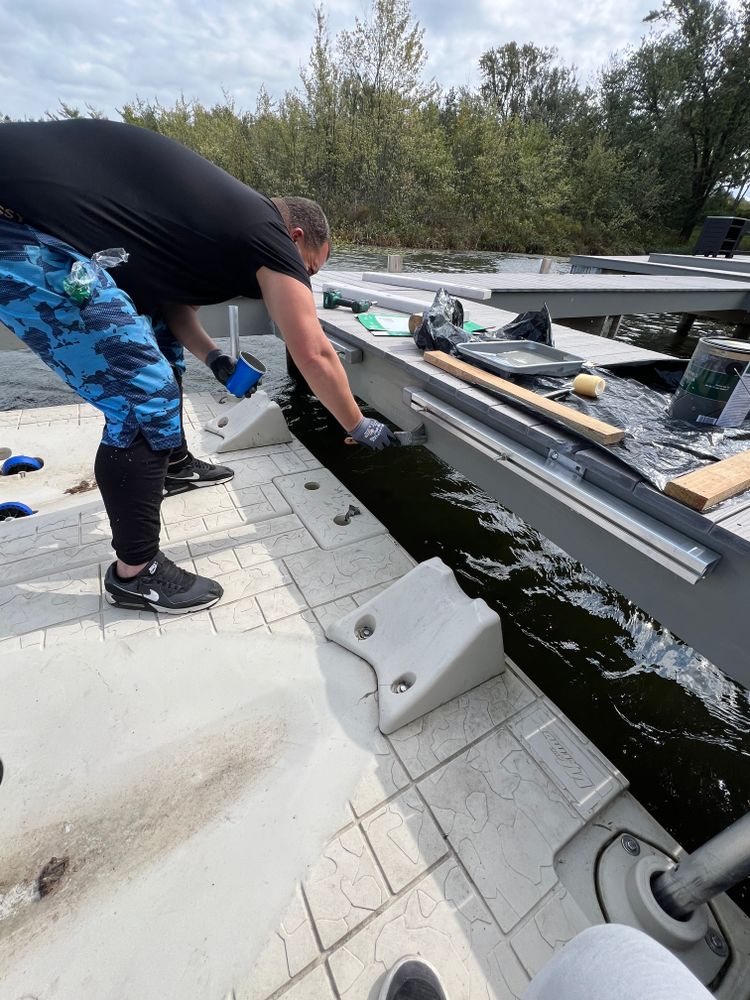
pixel 588 385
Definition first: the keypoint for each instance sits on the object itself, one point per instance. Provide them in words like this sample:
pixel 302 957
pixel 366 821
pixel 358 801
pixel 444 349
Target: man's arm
pixel 292 308
pixel 184 324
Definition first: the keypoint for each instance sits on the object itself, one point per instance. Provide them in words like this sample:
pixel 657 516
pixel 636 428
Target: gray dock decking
pixel 590 265
pixel 583 295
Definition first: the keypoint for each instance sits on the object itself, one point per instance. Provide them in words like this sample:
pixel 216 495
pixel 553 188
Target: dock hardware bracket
pixel 348 355
pixel 667 546
pixel 568 463
pixel 626 872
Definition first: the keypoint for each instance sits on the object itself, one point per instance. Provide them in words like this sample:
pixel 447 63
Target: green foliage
pixel 682 102
pixel 529 161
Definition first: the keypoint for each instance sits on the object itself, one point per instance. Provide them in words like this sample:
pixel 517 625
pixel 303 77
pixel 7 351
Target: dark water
pixel 675 725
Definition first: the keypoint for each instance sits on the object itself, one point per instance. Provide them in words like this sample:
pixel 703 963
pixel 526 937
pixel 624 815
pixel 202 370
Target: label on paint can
pixel 715 389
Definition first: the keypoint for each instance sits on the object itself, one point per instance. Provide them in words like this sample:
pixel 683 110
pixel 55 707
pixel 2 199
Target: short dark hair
pixel 306 214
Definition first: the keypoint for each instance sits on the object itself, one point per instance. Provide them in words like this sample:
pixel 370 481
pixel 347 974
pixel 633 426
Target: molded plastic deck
pixel 446 840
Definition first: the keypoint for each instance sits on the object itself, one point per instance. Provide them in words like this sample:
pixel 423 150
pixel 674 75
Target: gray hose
pixel 719 864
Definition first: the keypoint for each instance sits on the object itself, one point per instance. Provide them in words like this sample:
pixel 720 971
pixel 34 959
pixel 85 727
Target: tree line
pixel 530 160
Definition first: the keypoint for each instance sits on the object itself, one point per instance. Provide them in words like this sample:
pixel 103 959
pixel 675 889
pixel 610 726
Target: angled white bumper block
pixel 426 641
pixel 251 423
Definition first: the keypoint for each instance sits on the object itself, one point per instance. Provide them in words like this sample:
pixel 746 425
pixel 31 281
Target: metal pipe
pixel 234 331
pixel 719 864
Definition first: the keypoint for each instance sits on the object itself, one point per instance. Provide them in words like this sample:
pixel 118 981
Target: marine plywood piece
pixel 426 641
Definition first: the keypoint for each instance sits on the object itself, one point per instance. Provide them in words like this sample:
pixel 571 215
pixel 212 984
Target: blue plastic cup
pixel 249 372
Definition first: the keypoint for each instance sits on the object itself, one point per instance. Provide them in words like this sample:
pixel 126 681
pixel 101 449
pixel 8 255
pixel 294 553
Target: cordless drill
pixel 333 299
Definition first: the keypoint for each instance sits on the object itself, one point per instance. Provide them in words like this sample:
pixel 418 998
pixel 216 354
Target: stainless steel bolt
pixel 716 943
pixel 630 844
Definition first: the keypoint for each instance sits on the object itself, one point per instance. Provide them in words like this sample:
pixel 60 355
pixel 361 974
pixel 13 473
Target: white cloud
pixel 84 51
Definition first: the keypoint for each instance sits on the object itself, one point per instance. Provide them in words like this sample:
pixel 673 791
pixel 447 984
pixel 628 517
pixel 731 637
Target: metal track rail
pixel 561 478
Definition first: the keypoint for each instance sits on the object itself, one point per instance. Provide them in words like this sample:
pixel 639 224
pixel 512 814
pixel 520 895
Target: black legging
pixel 131 482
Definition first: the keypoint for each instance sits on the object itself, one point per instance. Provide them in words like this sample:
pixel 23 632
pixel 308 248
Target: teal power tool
pixel 333 299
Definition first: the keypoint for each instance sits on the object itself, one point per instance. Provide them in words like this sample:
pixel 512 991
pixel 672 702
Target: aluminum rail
pixel 234 330
pixel 718 865
pixel 558 476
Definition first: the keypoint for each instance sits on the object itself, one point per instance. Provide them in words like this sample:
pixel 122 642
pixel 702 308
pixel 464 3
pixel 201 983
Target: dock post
pixel 685 324
pixel 610 326
pixel 395 263
pixel 544 265
pixel 720 864
pixel 234 331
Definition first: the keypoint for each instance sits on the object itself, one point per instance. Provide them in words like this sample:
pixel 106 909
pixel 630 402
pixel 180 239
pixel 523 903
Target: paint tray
pixel 520 357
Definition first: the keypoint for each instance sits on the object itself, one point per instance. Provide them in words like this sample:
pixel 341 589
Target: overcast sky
pixel 105 54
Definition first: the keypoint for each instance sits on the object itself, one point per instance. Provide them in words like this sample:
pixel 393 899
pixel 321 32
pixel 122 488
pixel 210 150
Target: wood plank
pixel 588 427
pixel 710 485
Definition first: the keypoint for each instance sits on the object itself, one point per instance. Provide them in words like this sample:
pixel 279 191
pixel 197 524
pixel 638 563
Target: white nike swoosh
pixel 192 475
pixel 151 595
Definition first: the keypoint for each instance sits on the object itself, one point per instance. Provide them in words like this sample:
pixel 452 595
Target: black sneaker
pixel 412 979
pixel 194 474
pixel 161 586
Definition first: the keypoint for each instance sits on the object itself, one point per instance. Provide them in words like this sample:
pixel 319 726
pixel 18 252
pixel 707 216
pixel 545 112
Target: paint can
pixel 715 389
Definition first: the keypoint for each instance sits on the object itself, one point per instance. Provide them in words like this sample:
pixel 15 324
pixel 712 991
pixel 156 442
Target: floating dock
pixel 664 265
pixel 689 570
pixel 208 798
pixel 575 295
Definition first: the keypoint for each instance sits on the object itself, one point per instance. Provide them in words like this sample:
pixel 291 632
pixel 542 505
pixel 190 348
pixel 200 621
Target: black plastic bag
pixel 442 326
pixel 535 325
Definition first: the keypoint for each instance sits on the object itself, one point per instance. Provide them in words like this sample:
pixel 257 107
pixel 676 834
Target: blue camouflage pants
pixel 112 356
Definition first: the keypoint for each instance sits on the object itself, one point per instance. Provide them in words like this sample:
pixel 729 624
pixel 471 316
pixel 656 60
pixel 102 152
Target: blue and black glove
pixel 223 368
pixel 374 434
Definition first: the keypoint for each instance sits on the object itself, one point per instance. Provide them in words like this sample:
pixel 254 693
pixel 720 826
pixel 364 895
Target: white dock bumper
pixel 251 423
pixel 426 641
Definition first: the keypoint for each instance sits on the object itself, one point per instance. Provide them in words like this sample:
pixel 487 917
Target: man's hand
pixel 223 368
pixel 374 434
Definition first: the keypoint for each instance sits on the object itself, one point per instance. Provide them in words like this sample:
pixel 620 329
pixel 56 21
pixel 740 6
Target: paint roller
pixel 588 386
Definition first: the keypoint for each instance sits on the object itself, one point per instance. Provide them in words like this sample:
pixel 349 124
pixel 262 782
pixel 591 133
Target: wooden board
pixel 708 486
pixel 588 427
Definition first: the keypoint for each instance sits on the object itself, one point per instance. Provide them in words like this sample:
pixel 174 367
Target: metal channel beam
pixel 564 304
pixel 624 265
pixel 697 591
pixel 559 479
pixel 739 264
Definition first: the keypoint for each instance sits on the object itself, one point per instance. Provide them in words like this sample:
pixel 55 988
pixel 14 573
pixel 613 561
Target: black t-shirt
pixel 194 233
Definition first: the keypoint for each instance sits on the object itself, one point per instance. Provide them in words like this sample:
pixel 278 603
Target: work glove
pixel 374 434
pixel 223 368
